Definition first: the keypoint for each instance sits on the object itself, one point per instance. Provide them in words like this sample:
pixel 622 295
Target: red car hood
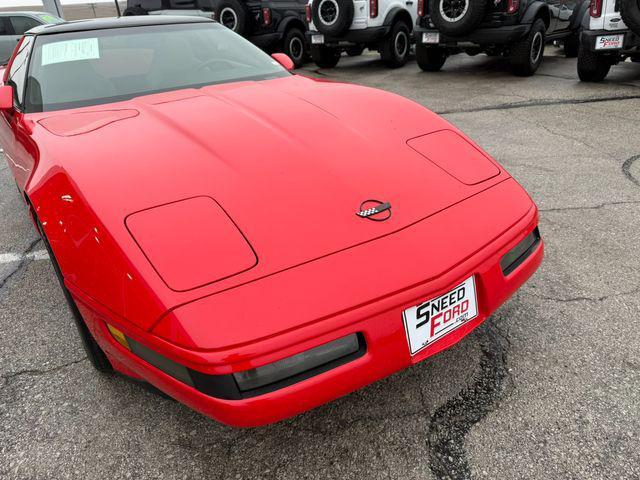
pixel 288 160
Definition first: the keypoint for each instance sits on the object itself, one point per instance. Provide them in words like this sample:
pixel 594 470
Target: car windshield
pixel 78 69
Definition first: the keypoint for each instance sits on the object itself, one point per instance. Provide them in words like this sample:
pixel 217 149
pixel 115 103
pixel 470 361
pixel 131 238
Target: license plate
pixel 435 318
pixel 609 42
pixel 431 37
pixel 317 39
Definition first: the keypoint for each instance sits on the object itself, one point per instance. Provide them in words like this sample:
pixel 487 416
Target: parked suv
pixel 612 35
pixel 273 25
pixel 14 24
pixel 352 25
pixel 517 29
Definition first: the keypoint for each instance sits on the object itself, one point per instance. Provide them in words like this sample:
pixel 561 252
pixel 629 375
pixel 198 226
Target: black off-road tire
pixel 332 17
pixel 131 11
pixel 457 17
pixel 396 47
pixel 355 50
pixel 630 13
pixel 295 46
pixel 592 67
pixel 527 53
pixel 95 354
pixel 325 57
pixel 571 44
pixel 233 15
pixel 430 58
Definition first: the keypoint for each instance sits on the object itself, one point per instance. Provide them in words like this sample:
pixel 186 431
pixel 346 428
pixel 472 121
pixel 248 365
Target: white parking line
pixel 18 257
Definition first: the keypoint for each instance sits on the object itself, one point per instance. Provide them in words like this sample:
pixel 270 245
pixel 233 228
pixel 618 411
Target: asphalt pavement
pixel 547 388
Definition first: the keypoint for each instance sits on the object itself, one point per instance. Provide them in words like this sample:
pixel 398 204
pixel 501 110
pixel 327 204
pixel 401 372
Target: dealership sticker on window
pixel 70 51
pixel 438 317
pixel 609 42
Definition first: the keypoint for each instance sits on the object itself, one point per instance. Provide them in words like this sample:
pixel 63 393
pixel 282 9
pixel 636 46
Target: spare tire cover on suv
pixel 456 17
pixel 630 13
pixel 233 15
pixel 332 17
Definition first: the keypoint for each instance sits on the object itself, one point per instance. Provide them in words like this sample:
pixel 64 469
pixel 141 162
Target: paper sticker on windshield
pixel 70 51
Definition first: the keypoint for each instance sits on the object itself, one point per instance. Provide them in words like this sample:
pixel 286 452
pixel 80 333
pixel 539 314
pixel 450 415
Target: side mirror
pixel 6 97
pixel 283 60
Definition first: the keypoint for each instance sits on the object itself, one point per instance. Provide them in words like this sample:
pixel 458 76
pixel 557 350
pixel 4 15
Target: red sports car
pixel 252 242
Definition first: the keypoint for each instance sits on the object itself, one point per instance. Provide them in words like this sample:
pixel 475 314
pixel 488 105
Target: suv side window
pixel 3 27
pixel 22 24
pixel 18 72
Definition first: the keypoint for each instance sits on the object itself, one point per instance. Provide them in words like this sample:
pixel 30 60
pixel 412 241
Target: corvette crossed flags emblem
pixel 372 212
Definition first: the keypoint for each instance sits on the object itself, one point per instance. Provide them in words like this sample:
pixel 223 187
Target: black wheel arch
pixel 94 352
pixel 398 13
pixel 291 21
pixel 537 9
pixel 580 17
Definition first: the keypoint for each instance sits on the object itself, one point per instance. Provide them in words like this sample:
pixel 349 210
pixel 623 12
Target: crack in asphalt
pixel 590 207
pixel 626 169
pixel 586 298
pixel 540 103
pixel 451 422
pixel 21 265
pixel 40 371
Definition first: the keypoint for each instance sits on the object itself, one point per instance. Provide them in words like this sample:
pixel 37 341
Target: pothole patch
pixel 451 422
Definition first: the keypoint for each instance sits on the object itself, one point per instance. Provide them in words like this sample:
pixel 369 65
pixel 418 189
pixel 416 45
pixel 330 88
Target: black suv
pixel 273 25
pixel 517 29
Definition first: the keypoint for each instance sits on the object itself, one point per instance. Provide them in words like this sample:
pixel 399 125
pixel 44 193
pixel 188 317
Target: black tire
pixel 131 11
pixel 630 13
pixel 456 17
pixel 591 66
pixel 294 45
pixel 233 15
pixel 95 354
pixel 332 17
pixel 355 50
pixel 527 53
pixel 325 57
pixel 430 58
pixel 571 45
pixel 395 48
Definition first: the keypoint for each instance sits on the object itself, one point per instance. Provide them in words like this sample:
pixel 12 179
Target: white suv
pixel 353 25
pixel 612 35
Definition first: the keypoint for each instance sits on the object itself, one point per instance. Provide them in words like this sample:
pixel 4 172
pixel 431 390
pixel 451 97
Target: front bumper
pixel 502 35
pixel 352 37
pixel 378 321
pixel 631 43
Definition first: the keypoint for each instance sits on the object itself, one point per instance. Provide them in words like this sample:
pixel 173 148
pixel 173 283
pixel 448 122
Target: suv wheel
pixel 571 44
pixel 325 57
pixel 355 50
pixel 526 54
pixel 332 17
pixel 591 66
pixel 630 13
pixel 457 17
pixel 231 14
pixel 395 48
pixel 294 46
pixel 430 59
